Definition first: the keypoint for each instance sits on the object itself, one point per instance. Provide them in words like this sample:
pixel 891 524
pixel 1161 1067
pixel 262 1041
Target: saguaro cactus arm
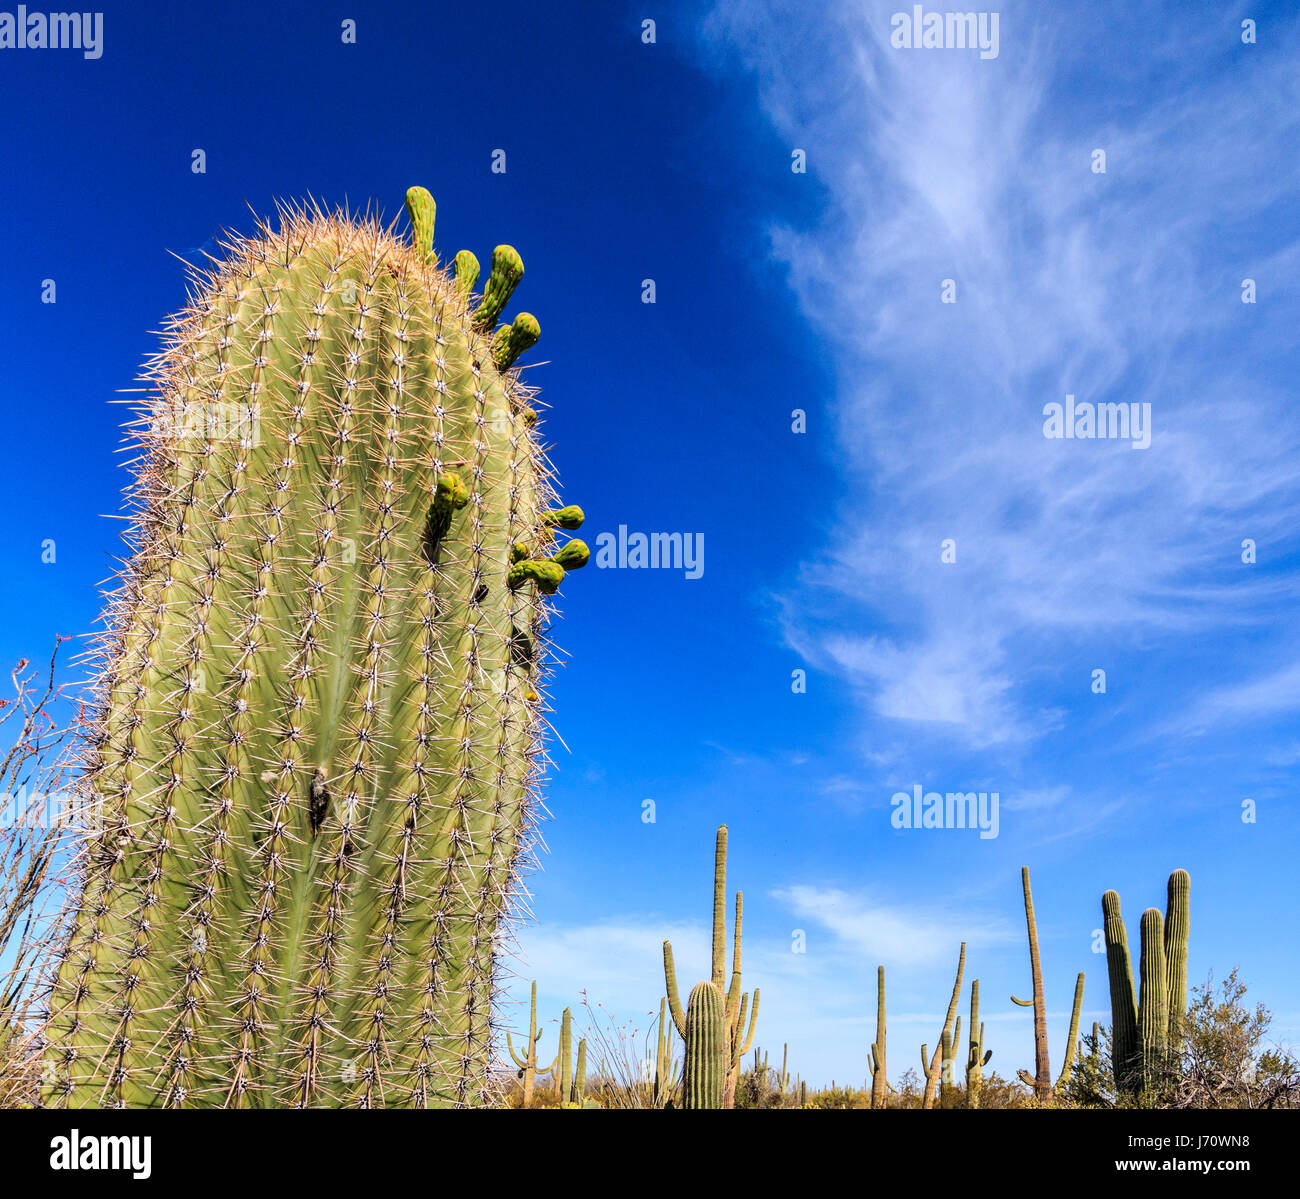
pixel 674 999
pixel 720 909
pixel 1067 1066
pixel 744 1045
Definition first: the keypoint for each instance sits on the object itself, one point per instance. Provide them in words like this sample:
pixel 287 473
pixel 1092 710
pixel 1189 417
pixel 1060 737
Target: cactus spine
pixel 976 1057
pixel 317 739
pixel 1147 1027
pixel 932 1066
pixel 879 1079
pixel 528 1062
pixel 738 1037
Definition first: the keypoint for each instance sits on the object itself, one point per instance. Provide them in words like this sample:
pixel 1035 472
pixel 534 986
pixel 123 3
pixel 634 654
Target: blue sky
pixel 777 291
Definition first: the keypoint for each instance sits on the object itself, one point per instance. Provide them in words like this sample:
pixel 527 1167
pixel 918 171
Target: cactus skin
pixel 708 1059
pixel 739 1041
pixel 528 1062
pixel 932 1066
pixel 1147 1024
pixel 879 1079
pixel 315 754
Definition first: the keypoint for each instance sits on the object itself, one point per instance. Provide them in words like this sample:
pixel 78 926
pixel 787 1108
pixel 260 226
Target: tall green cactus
pixel 527 1062
pixel 1177 918
pixel 932 1066
pixel 976 1057
pixel 738 1040
pixel 1123 996
pixel 1042 1081
pixel 318 737
pixel 569 1083
pixel 708 1059
pixel 879 1078
pixel 1147 1025
pixel 1153 997
pixel 666 1066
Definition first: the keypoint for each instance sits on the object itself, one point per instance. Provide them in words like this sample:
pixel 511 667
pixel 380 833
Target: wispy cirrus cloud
pixel 1123 286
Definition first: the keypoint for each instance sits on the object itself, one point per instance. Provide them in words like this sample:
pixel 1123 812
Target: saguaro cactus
pixel 879 1079
pixel 932 1066
pixel 527 1063
pixel 1177 917
pixel 738 1039
pixel 708 1058
pixel 319 737
pixel 976 1057
pixel 1146 1027
pixel 1153 997
pixel 570 1081
pixel 666 1067
pixel 1123 995
pixel 1042 1082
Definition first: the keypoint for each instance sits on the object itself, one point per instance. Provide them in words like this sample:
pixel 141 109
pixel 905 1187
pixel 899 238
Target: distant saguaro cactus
pixel 1146 1026
pixel 738 1040
pixel 879 1079
pixel 527 1063
pixel 1042 1081
pixel 976 1057
pixel 932 1066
